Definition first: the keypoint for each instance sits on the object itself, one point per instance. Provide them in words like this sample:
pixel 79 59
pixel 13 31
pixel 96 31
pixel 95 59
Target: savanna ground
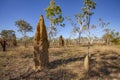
pixel 66 63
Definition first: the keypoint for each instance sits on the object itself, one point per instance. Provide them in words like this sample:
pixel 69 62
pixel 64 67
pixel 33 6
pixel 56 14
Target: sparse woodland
pixel 47 56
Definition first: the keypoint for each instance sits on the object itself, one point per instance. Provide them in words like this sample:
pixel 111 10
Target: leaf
pixel 93 26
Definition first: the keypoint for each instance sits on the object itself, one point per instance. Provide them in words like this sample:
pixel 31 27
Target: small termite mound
pixel 86 64
pixel 41 46
pixel 61 41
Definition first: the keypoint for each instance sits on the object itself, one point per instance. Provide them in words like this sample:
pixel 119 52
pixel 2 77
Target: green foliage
pixel 93 27
pixel 102 23
pixel 23 26
pixel 87 10
pixel 7 33
pixel 111 36
pixel 116 41
pixel 80 19
pixel 116 37
pixel 54 13
pixel 107 36
pixel 89 5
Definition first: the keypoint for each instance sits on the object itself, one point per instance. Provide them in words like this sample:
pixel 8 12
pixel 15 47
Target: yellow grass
pixel 66 63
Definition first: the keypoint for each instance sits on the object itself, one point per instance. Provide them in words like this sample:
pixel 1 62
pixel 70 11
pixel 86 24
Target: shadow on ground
pixel 59 74
pixel 104 66
pixel 60 62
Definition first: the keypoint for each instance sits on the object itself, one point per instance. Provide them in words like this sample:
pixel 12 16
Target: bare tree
pixel 78 26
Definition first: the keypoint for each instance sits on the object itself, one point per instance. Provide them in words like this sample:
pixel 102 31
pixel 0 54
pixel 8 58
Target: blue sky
pixel 30 11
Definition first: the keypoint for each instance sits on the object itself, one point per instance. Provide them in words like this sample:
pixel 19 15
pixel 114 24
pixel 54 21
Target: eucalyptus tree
pixel 117 35
pixel 7 33
pixel 54 15
pixel 89 6
pixel 116 38
pixel 108 33
pixel 78 25
pixel 111 36
pixel 103 24
pixel 23 27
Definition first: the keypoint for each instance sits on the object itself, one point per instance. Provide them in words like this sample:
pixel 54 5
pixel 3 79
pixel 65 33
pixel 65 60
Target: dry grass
pixel 66 63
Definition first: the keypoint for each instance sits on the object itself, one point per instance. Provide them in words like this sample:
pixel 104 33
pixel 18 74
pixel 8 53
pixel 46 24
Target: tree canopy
pixel 23 26
pixel 7 33
pixel 54 13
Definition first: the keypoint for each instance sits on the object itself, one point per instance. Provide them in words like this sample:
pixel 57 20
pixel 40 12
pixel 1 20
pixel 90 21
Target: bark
pixel 79 38
pixel 3 44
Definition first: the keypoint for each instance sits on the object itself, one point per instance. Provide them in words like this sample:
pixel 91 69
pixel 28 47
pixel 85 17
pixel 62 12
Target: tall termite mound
pixel 61 41
pixel 41 46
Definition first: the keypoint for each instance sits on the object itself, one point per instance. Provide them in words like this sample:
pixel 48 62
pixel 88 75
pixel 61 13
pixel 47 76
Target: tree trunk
pixel 79 38
pixel 88 35
pixel 3 44
pixel 26 44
